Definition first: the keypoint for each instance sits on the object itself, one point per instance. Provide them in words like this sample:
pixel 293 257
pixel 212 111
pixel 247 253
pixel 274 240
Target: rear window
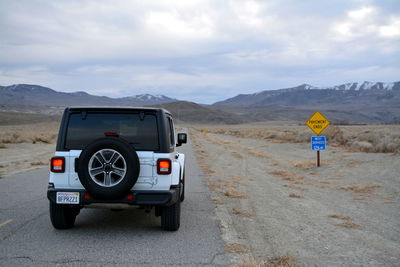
pixel 140 130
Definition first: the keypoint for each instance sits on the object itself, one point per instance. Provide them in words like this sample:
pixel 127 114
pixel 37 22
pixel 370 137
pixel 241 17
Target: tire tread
pixel 170 217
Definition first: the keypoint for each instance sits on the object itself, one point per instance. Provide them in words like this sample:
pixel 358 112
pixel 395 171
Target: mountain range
pixel 26 94
pixel 367 102
pixel 306 95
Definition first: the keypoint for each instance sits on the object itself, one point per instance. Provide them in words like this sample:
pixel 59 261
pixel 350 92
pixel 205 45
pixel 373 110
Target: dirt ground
pixel 22 157
pixel 26 146
pixel 276 207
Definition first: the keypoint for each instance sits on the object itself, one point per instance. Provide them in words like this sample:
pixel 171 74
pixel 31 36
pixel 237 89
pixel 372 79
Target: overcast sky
pixel 201 51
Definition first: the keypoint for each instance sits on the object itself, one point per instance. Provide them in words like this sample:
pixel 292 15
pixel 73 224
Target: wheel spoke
pixel 96 171
pixel 107 178
pixel 114 158
pixel 100 158
pixel 118 171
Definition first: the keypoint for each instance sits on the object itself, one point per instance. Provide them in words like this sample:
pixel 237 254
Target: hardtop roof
pixel 105 108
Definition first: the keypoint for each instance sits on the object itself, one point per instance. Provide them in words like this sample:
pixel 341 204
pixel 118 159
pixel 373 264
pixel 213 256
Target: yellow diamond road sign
pixel 317 122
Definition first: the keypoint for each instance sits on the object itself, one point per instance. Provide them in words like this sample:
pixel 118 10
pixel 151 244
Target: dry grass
pixel 256 154
pixel 234 193
pixel 296 187
pixel 368 138
pixel 38 163
pixel 241 213
pixel 289 176
pixel 305 164
pixel 348 222
pixel 235 248
pixel 297 179
pixel 294 195
pixel 236 155
pixel 362 191
pixel 355 163
pixel 2 146
pixel 217 201
pixel 29 133
pixel 286 260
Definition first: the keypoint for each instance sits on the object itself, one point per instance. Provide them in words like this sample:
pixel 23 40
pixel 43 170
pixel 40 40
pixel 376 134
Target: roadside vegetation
pixel 362 138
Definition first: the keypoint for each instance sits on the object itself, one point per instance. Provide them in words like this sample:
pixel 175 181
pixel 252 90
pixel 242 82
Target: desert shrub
pixel 12 138
pixel 335 134
pixel 377 142
pixel 29 133
pixel 366 138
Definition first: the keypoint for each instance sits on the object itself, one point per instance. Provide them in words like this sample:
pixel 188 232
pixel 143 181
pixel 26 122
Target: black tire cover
pixel 122 188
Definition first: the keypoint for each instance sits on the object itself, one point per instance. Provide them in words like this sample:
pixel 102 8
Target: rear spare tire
pixel 108 168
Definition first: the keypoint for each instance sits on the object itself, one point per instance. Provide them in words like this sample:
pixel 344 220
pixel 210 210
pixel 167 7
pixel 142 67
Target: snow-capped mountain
pixel 154 99
pixel 360 86
pixel 27 94
pixel 371 93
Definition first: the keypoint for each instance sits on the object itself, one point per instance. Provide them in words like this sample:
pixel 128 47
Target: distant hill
pixel 347 103
pixel 305 95
pixel 194 113
pixel 26 94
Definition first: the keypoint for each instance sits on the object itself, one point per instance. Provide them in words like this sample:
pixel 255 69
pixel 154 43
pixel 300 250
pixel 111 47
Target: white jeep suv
pixel 114 156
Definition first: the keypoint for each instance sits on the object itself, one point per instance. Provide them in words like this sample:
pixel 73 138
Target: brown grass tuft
pixel 296 187
pixel 286 260
pixel 241 213
pixel 234 193
pixel 236 155
pixel 256 154
pixel 348 222
pixel 235 248
pixel 305 164
pixel 289 176
pixel 294 195
pixel 297 179
pixel 217 201
pixel 38 163
pixel 354 163
pixel 362 188
pixel 336 216
pixel 362 191
pixel 282 261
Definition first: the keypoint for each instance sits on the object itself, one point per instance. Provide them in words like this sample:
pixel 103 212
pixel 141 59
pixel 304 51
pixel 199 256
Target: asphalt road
pixel 103 237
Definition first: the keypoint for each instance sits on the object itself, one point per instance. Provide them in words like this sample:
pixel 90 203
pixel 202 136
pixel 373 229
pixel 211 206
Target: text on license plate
pixel 67 198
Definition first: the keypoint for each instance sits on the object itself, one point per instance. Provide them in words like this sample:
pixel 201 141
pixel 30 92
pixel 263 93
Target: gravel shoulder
pixel 15 158
pixel 273 202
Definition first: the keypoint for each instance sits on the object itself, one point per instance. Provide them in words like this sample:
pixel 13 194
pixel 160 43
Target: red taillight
pixel 86 196
pixel 164 166
pixel 57 164
pixel 111 134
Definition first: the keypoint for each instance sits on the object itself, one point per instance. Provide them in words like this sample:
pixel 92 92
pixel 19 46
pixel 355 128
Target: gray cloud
pixel 197 50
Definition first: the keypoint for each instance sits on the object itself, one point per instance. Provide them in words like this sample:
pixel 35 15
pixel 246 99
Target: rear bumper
pixel 135 197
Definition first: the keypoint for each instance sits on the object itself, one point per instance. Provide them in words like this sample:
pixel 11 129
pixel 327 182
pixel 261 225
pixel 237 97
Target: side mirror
pixel 182 139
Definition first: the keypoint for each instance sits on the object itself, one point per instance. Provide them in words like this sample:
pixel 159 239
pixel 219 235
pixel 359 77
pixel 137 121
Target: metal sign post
pixel 318 143
pixel 317 123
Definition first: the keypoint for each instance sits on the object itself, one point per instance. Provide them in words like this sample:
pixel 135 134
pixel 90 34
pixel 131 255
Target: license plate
pixel 67 198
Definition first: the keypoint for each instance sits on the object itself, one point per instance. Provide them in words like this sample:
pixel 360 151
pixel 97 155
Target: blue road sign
pixel 318 143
